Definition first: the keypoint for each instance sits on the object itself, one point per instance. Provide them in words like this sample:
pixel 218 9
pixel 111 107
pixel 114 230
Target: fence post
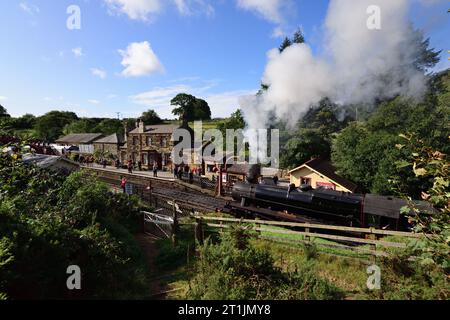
pixel 256 226
pixel 199 230
pixel 143 222
pixel 175 224
pixel 307 238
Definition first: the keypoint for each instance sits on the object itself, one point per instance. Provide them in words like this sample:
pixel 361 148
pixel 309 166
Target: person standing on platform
pixel 130 166
pixel 155 170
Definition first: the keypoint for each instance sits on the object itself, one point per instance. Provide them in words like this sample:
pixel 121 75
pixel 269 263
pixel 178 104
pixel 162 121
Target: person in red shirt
pixel 123 184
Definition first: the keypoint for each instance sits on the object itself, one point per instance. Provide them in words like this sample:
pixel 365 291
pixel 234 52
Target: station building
pixel 320 173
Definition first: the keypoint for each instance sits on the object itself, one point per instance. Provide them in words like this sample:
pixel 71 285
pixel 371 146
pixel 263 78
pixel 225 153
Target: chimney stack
pixel 125 130
pixel 140 125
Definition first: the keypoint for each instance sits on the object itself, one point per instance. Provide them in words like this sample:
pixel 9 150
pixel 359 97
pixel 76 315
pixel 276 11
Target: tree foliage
pixel 49 127
pixel 366 152
pixel 190 108
pixel 150 117
pixel 433 165
pixel 49 222
pixel 312 137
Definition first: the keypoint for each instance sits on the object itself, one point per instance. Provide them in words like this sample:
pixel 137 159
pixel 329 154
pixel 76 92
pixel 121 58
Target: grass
pixel 174 265
pixel 344 272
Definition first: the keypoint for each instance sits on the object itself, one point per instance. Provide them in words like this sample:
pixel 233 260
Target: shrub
pixel 49 222
pixel 235 270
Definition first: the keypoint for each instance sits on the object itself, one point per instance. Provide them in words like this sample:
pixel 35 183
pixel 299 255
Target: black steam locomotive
pixel 324 206
pixel 327 206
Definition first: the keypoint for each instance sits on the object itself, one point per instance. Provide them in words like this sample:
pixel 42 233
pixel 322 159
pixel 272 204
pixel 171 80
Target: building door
pixel 154 157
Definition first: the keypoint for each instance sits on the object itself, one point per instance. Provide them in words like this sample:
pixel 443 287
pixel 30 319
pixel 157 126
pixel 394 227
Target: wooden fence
pixel 342 237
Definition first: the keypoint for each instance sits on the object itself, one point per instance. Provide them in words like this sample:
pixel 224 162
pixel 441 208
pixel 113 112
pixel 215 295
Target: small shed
pixel 320 173
pixel 84 141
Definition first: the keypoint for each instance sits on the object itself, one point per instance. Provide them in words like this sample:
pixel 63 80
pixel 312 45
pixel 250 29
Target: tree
pixel 429 163
pixel 81 126
pixel 298 38
pixel 50 126
pixel 150 117
pixel 202 111
pixel 185 103
pixel 110 126
pixel 286 44
pixel 26 121
pixel 190 108
pixel 302 146
pixel 426 58
pixel 3 112
pixel 235 121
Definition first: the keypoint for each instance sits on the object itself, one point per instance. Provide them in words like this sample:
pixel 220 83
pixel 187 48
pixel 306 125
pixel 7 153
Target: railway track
pixel 166 190
pixel 195 200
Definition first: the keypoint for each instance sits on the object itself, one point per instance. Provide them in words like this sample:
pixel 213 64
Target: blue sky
pixel 132 55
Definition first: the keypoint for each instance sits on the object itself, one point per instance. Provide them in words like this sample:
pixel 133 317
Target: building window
pixel 135 141
pixel 306 181
pixel 164 142
pixel 149 141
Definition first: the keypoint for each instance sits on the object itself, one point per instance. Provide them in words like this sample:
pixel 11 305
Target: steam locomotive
pixel 327 206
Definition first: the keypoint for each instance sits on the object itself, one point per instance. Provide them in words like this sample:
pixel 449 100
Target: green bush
pixel 402 279
pixel 235 270
pixel 49 222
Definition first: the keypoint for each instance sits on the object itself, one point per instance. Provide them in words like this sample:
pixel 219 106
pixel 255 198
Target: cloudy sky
pixel 132 55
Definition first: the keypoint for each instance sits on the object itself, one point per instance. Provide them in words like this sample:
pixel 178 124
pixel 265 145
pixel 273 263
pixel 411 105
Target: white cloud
pixel 190 7
pixel 159 97
pixel 278 32
pixel 3 98
pixel 99 73
pixel 135 9
pixel 145 10
pixel 222 104
pixel 270 10
pixel 78 52
pixel 29 8
pixel 93 101
pixel 140 60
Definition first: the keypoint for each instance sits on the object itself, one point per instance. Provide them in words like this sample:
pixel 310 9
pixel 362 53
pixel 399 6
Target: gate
pixel 158 225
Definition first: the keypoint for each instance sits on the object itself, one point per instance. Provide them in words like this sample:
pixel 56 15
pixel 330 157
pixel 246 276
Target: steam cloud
pixel 358 66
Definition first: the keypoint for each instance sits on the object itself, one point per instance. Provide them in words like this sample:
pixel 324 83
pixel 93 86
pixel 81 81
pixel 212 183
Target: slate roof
pixel 158 129
pixel 112 139
pixel 79 138
pixel 326 169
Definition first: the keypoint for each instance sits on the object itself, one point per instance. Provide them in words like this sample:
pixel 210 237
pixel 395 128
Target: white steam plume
pixel 359 64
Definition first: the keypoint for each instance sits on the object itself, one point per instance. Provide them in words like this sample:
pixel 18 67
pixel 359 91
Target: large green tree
pixel 201 111
pixel 150 117
pixel 312 137
pixel 190 108
pixel 110 126
pixel 84 125
pixel 50 126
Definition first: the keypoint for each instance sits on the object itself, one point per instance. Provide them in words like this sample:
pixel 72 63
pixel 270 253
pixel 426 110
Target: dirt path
pixel 148 246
